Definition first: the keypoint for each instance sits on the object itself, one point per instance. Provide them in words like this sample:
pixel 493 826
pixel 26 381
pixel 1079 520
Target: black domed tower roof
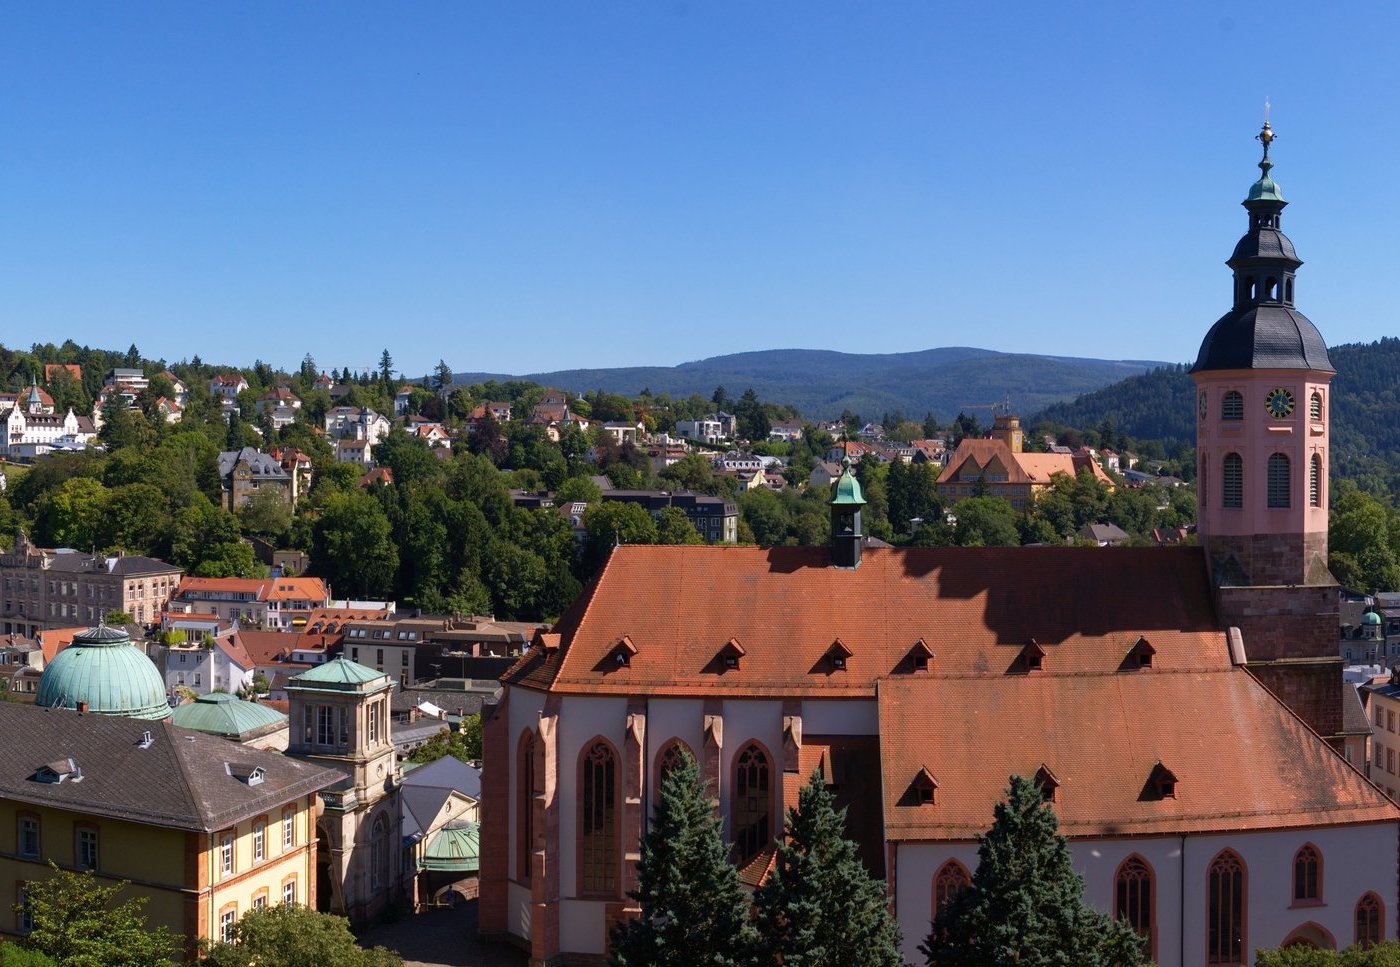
pixel 1263 330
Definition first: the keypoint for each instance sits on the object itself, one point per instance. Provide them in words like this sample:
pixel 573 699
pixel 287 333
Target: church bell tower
pixel 1262 427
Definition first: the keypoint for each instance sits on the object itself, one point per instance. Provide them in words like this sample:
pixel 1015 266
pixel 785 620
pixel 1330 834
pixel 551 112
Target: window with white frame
pixel 227 919
pixel 86 848
pixel 289 892
pixel 226 854
pixel 289 828
pixel 259 841
pixel 29 837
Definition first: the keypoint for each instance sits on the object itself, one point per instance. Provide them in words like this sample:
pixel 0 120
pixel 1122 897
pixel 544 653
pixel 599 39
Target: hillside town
pixel 382 647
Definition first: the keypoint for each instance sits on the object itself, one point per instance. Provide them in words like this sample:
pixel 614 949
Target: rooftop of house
pixel 181 779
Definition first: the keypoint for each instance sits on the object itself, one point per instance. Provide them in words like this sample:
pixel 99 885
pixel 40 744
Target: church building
pixel 1179 707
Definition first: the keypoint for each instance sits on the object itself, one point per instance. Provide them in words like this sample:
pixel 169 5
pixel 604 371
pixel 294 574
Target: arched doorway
pixel 325 882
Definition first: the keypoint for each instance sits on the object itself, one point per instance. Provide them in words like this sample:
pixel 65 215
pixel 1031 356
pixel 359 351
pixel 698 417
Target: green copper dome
pixel 1370 618
pixel 222 714
pixel 847 491
pixel 456 848
pixel 340 674
pixel 104 669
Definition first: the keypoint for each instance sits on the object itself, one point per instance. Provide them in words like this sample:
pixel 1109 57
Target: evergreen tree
pixel 1025 906
pixel 820 908
pixel 693 908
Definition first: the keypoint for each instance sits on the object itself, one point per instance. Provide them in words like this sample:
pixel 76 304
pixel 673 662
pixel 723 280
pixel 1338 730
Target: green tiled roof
pixel 223 714
pixel 340 674
pixel 104 669
pixel 456 848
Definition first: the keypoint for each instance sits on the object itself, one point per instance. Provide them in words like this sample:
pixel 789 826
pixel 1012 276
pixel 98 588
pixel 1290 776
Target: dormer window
pixel 1031 658
pixel 1140 655
pixel 1162 782
pixel 61 770
pixel 623 651
pixel 249 775
pixel 924 789
pixel 837 655
pixel 1046 782
pixel 920 655
pixel 730 654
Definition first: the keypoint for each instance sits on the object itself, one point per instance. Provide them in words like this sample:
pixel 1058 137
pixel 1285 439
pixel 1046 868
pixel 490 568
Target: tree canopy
pixel 82 921
pixel 289 935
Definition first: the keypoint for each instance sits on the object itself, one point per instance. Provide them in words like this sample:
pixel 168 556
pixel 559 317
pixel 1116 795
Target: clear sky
pixel 523 186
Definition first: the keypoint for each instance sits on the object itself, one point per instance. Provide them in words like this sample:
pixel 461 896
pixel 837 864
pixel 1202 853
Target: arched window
pixel 1288 291
pixel 1280 491
pixel 950 878
pixel 671 757
pixel 378 854
pixel 1232 406
pixel 1307 874
pixel 753 803
pixel 1232 481
pixel 1225 925
pixel 1369 916
pixel 1315 481
pixel 598 819
pixel 1315 407
pixel 1271 290
pixel 525 806
pixel 1133 900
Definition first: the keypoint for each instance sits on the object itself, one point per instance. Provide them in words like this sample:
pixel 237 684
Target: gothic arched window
pixel 950 878
pixel 1369 916
pixel 378 854
pixel 1225 923
pixel 1307 874
pixel 598 815
pixel 753 803
pixel 1232 481
pixel 525 806
pixel 1280 484
pixel 1133 900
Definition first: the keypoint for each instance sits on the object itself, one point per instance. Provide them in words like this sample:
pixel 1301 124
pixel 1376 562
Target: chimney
pixel 82 708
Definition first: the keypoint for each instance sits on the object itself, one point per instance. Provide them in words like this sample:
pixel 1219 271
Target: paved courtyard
pixel 442 938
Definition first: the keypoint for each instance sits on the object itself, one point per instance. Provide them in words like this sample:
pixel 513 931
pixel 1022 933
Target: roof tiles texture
pixel 975 608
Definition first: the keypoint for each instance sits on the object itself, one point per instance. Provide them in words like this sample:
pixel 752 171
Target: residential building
pixel 248 472
pixel 217 663
pixel 127 381
pixel 356 423
pixel 624 432
pixel 279 397
pixel 203 830
pixel 45 588
pixel 1382 701
pixel 707 429
pixel 997 467
pixel 283 603
pixel 349 450
pixel 227 386
pixel 71 371
pixel 785 431
pixel 715 518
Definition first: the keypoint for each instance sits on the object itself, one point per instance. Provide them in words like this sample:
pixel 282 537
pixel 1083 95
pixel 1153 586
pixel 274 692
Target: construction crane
pixel 1004 406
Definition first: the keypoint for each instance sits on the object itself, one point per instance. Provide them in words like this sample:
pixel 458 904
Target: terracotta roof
pixel 975 607
pixel 1020 467
pixel 297 589
pixel 265 647
pixel 54 640
pixel 53 369
pixel 1102 735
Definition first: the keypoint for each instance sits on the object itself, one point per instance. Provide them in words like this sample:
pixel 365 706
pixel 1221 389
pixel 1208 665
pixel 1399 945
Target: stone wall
pixel 1270 559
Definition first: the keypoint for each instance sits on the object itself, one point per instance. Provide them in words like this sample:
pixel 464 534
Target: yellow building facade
pixel 205 829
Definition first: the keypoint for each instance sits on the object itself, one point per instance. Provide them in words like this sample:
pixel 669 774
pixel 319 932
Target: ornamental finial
pixel 1266 136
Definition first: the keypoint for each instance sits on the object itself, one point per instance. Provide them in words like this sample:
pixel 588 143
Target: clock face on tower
pixel 1279 403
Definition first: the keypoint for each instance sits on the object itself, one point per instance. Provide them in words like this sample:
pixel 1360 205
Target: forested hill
pixel 1160 405
pixel 821 384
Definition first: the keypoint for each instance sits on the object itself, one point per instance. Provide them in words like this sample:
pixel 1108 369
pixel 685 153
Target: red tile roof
pixel 976 608
pixel 1102 735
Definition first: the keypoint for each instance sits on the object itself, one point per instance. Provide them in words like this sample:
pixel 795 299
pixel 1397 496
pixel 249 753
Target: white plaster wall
pixel 1356 860
pixel 841 717
pixel 518 913
pixel 581 928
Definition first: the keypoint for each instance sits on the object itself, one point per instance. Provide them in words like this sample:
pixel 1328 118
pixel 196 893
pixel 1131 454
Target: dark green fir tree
pixel 1025 906
pixel 820 907
pixel 694 912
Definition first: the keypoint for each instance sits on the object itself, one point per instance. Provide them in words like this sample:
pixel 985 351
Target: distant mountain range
pixel 821 384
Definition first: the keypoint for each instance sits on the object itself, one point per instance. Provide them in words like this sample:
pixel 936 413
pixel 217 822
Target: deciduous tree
pixel 81 921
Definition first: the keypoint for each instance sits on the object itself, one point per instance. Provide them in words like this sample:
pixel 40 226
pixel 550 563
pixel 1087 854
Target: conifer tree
pixel 693 909
pixel 1025 905
pixel 820 907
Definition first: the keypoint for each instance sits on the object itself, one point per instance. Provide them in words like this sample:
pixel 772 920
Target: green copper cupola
pixel 846 502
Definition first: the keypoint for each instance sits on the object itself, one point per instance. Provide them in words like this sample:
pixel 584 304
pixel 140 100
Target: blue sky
pixel 525 186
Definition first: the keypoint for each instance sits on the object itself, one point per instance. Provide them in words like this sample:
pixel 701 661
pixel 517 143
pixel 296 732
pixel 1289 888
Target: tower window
pixel 1232 406
pixel 1288 291
pixel 1315 407
pixel 1279 489
pixel 1232 481
pixel 1315 481
pixel 1271 290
